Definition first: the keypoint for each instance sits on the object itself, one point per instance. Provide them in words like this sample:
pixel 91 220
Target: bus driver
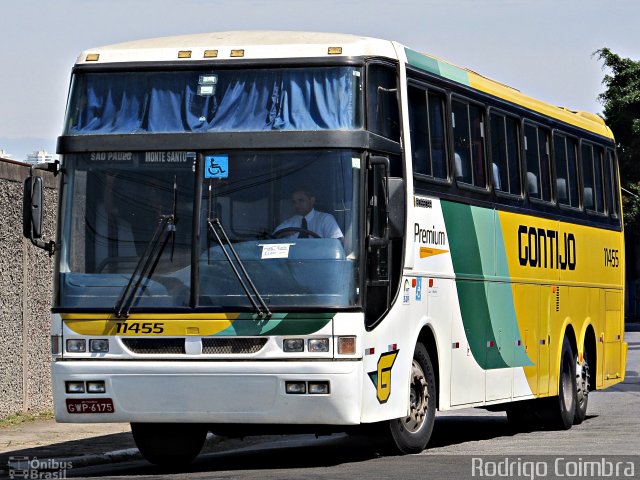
pixel 307 219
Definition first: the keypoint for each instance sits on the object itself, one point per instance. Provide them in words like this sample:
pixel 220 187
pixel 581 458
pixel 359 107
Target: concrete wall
pixel 26 274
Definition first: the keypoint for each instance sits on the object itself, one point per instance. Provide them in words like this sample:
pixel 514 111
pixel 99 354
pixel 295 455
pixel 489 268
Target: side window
pixel 566 170
pixel 505 152
pixel 611 184
pixel 428 141
pixel 536 147
pixel 592 178
pixel 468 138
pixel 382 101
pixel 419 130
pixel 437 136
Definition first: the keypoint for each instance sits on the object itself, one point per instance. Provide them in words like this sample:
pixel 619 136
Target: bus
pixel 285 231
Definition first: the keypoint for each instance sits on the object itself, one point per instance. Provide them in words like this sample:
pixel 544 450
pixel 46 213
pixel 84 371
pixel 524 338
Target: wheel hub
pixel 418 399
pixel 582 380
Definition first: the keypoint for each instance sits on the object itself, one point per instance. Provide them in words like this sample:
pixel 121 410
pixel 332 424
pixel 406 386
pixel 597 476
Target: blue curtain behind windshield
pixel 246 100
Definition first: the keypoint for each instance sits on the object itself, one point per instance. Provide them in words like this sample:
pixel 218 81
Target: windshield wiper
pixel 149 260
pixel 260 306
pixel 146 264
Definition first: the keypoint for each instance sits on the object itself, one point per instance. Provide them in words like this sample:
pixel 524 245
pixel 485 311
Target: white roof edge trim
pixel 256 45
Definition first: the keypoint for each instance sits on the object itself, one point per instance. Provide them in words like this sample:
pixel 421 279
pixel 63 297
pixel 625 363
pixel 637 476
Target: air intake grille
pixel 232 345
pixel 155 345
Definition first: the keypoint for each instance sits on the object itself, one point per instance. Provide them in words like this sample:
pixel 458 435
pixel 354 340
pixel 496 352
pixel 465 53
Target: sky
pixel 542 47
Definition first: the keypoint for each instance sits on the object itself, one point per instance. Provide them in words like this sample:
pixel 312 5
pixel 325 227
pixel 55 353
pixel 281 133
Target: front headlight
pixel 318 345
pixel 100 345
pixel 293 345
pixel 76 345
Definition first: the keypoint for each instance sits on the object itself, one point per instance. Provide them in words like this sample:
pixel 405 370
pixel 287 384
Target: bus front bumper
pixel 209 392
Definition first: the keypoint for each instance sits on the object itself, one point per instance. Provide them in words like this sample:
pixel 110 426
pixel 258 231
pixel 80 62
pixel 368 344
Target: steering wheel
pixel 285 231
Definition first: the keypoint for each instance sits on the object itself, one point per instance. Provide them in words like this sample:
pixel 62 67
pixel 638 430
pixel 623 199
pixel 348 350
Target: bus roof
pixel 230 46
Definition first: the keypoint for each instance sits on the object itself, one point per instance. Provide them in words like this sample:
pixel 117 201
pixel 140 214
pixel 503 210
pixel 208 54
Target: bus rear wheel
pixel 583 377
pixel 169 444
pixel 561 410
pixel 411 434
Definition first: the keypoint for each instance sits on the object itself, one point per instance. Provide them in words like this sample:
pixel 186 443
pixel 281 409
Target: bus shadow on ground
pixel 293 451
pixel 73 448
pixel 307 451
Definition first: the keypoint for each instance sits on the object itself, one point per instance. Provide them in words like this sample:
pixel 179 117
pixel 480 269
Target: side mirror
pixel 378 219
pixel 32 208
pixel 32 213
pixel 396 207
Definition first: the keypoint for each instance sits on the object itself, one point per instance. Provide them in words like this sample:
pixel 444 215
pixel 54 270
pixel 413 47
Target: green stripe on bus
pixel 437 67
pixel 487 308
pixel 422 62
pixel 278 324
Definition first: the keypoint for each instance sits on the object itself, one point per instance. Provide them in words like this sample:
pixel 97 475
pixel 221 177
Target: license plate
pixel 90 405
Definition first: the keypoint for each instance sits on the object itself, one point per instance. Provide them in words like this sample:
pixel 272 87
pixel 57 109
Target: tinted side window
pixel 566 171
pixel 419 130
pixel 437 136
pixel 428 139
pixel 592 178
pixel 382 101
pixel 611 183
pixel 505 151
pixel 468 136
pixel 536 145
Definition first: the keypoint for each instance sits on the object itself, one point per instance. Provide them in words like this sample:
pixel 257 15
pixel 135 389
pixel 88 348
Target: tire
pixel 561 410
pixel 169 444
pixel 583 377
pixel 411 434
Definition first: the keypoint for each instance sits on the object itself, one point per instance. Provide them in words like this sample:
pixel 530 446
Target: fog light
pixel 293 345
pixel 320 388
pixel 318 345
pixel 74 387
pixel 346 345
pixel 76 345
pixel 100 345
pixel 96 387
pixel 295 388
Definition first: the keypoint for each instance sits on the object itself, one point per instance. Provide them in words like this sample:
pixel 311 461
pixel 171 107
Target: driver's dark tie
pixel 304 226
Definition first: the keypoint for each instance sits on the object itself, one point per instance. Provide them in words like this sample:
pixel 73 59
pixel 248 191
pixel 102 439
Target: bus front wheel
pixel 169 444
pixel 411 434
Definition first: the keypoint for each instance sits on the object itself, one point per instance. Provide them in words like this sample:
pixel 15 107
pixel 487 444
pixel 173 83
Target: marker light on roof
pixel 210 53
pixel 335 51
pixel 237 53
pixel 184 54
pixel 92 57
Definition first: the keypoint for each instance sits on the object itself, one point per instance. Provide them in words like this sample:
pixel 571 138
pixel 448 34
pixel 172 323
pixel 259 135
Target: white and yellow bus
pixel 475 253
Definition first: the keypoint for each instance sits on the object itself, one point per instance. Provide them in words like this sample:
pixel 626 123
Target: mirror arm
pixel 49 246
pixel 53 167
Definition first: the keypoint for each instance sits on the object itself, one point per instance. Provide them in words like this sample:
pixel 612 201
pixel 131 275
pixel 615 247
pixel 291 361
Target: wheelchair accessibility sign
pixel 216 166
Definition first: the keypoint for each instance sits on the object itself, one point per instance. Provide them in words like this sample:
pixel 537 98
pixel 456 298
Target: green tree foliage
pixel 621 102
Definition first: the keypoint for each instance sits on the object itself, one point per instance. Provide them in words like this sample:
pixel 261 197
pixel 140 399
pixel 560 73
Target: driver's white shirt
pixel 319 222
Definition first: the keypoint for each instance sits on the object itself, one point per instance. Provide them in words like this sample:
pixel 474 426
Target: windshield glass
pixel 320 98
pixel 291 217
pixel 113 204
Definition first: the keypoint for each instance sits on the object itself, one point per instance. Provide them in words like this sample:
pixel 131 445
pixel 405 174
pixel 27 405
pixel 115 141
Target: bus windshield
pixel 290 216
pixel 251 100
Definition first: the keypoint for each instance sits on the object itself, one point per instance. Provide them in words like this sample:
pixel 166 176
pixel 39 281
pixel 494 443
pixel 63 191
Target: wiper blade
pixel 146 264
pixel 260 306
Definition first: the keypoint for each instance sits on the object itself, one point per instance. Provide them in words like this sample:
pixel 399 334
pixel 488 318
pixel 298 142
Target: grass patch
pixel 20 418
